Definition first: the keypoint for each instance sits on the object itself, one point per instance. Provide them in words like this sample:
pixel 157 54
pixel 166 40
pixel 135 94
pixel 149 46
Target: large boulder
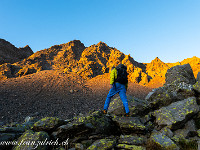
pixel 71 130
pixel 30 140
pixel 158 98
pixel 180 91
pixel 48 124
pixel 180 73
pixel 93 123
pixel 130 125
pixel 177 113
pixel 136 106
pixel 162 142
pixel 168 94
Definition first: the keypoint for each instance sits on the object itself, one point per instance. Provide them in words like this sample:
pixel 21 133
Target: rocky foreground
pixel 167 119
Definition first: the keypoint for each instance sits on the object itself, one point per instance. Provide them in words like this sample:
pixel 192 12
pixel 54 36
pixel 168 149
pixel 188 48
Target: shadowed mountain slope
pixel 10 54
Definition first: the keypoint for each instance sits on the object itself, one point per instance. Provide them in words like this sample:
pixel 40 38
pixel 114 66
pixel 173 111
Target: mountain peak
pixel 156 60
pixel 75 43
pixel 102 44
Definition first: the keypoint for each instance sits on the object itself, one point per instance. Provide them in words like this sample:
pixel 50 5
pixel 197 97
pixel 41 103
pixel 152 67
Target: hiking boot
pixel 105 111
pixel 127 114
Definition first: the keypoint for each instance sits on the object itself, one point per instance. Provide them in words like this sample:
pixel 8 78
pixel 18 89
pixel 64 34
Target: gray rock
pixel 177 113
pixel 160 141
pixel 71 130
pixel 196 87
pixel 48 124
pixel 198 77
pixel 180 73
pixel 132 140
pixel 180 91
pixel 29 122
pixel 184 132
pixel 94 123
pixel 12 130
pixel 30 139
pixel 130 124
pixel 166 131
pixel 130 147
pixel 10 134
pixel 158 98
pixel 136 106
pixel 187 144
pixel 168 94
pixel 102 144
pixel 5 138
pixel 101 123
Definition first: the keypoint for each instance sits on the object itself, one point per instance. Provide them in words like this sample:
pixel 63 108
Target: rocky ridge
pixel 10 54
pixel 74 57
pixel 87 62
pixel 167 119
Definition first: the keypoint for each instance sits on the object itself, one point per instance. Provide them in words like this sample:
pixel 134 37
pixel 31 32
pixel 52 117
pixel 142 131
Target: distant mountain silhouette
pixel 87 62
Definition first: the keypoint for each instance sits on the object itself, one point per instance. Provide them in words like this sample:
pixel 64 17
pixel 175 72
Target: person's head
pixel 112 67
pixel 122 66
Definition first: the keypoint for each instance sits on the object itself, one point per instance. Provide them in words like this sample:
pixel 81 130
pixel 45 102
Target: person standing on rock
pixel 118 84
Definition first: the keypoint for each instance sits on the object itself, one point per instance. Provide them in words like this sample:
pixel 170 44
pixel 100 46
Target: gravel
pixel 56 94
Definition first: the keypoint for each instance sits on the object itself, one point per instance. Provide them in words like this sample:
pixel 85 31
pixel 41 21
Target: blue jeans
pixel 117 88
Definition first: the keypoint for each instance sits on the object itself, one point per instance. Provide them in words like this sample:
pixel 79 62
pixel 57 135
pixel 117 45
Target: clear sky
pixel 145 29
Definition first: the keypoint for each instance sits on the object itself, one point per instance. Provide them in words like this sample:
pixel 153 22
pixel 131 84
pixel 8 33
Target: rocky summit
pixel 167 119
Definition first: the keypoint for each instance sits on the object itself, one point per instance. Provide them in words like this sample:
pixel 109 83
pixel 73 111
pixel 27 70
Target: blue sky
pixel 145 29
